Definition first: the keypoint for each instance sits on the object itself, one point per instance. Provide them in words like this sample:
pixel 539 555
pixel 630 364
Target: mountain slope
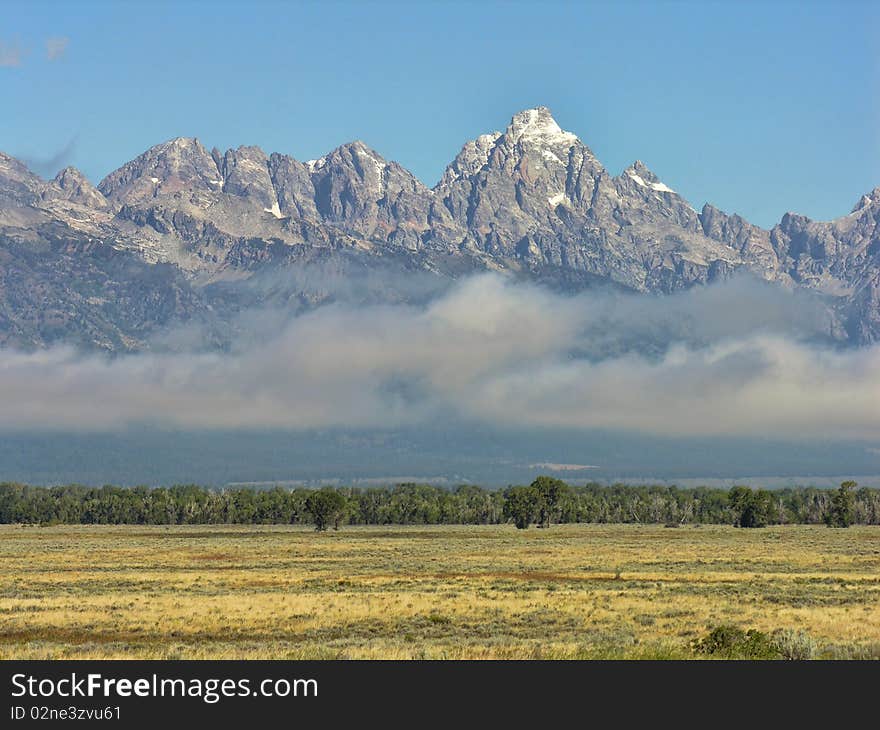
pixel 184 234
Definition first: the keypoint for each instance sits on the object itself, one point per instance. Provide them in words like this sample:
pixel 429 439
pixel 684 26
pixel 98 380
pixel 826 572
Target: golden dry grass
pixel 427 592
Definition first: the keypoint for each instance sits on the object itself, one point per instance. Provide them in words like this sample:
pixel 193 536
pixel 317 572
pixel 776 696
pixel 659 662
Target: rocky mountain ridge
pixel 197 228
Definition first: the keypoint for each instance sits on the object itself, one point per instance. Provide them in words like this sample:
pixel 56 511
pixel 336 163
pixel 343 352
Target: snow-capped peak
pixel 538 126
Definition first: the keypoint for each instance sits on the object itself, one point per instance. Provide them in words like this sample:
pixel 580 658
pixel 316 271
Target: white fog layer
pixel 732 359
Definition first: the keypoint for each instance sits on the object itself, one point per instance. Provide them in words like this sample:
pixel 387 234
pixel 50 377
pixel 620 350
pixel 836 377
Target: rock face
pixel 64 287
pixel 18 185
pixel 532 200
pixel 840 258
pixel 181 165
pixel 71 185
pixel 538 197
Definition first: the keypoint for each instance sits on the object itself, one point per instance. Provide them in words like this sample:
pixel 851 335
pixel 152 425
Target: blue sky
pixel 758 108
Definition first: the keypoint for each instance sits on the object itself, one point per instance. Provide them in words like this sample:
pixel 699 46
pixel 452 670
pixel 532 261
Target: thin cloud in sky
pixel 11 54
pixel 56 48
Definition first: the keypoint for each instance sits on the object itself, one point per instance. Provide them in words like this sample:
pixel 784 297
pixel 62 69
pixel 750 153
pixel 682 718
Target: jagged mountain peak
pixel 70 176
pixel 245 173
pixel 179 143
pixel 71 185
pixel 867 200
pixel 17 182
pixel 12 168
pixel 171 149
pixel 356 148
pixel 182 163
pixel 534 134
pixel 8 161
pixel 345 153
pixel 471 159
pixel 710 210
pixel 367 164
pixel 640 168
pixel 641 175
pixel 246 157
pixel 250 152
pixel 532 199
pixel 537 126
pixel 178 147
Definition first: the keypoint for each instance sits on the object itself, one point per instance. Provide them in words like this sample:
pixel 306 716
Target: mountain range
pixel 186 236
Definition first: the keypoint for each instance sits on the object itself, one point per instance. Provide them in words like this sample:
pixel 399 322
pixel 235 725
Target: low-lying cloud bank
pixel 734 359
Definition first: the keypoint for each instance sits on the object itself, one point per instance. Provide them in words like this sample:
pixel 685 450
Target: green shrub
pixel 731 642
pixel 435 618
pixel 794 645
pixel 860 652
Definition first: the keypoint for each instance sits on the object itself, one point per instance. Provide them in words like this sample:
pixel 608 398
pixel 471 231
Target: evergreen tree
pixel 842 506
pixel 520 505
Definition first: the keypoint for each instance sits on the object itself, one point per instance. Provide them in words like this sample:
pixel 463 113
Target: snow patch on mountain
pixel 274 210
pixel 658 186
pixel 548 155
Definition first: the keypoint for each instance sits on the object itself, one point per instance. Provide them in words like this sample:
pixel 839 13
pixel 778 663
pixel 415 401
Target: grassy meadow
pixel 476 592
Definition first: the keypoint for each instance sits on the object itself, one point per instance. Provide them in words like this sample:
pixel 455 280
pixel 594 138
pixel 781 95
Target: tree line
pixel 545 501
